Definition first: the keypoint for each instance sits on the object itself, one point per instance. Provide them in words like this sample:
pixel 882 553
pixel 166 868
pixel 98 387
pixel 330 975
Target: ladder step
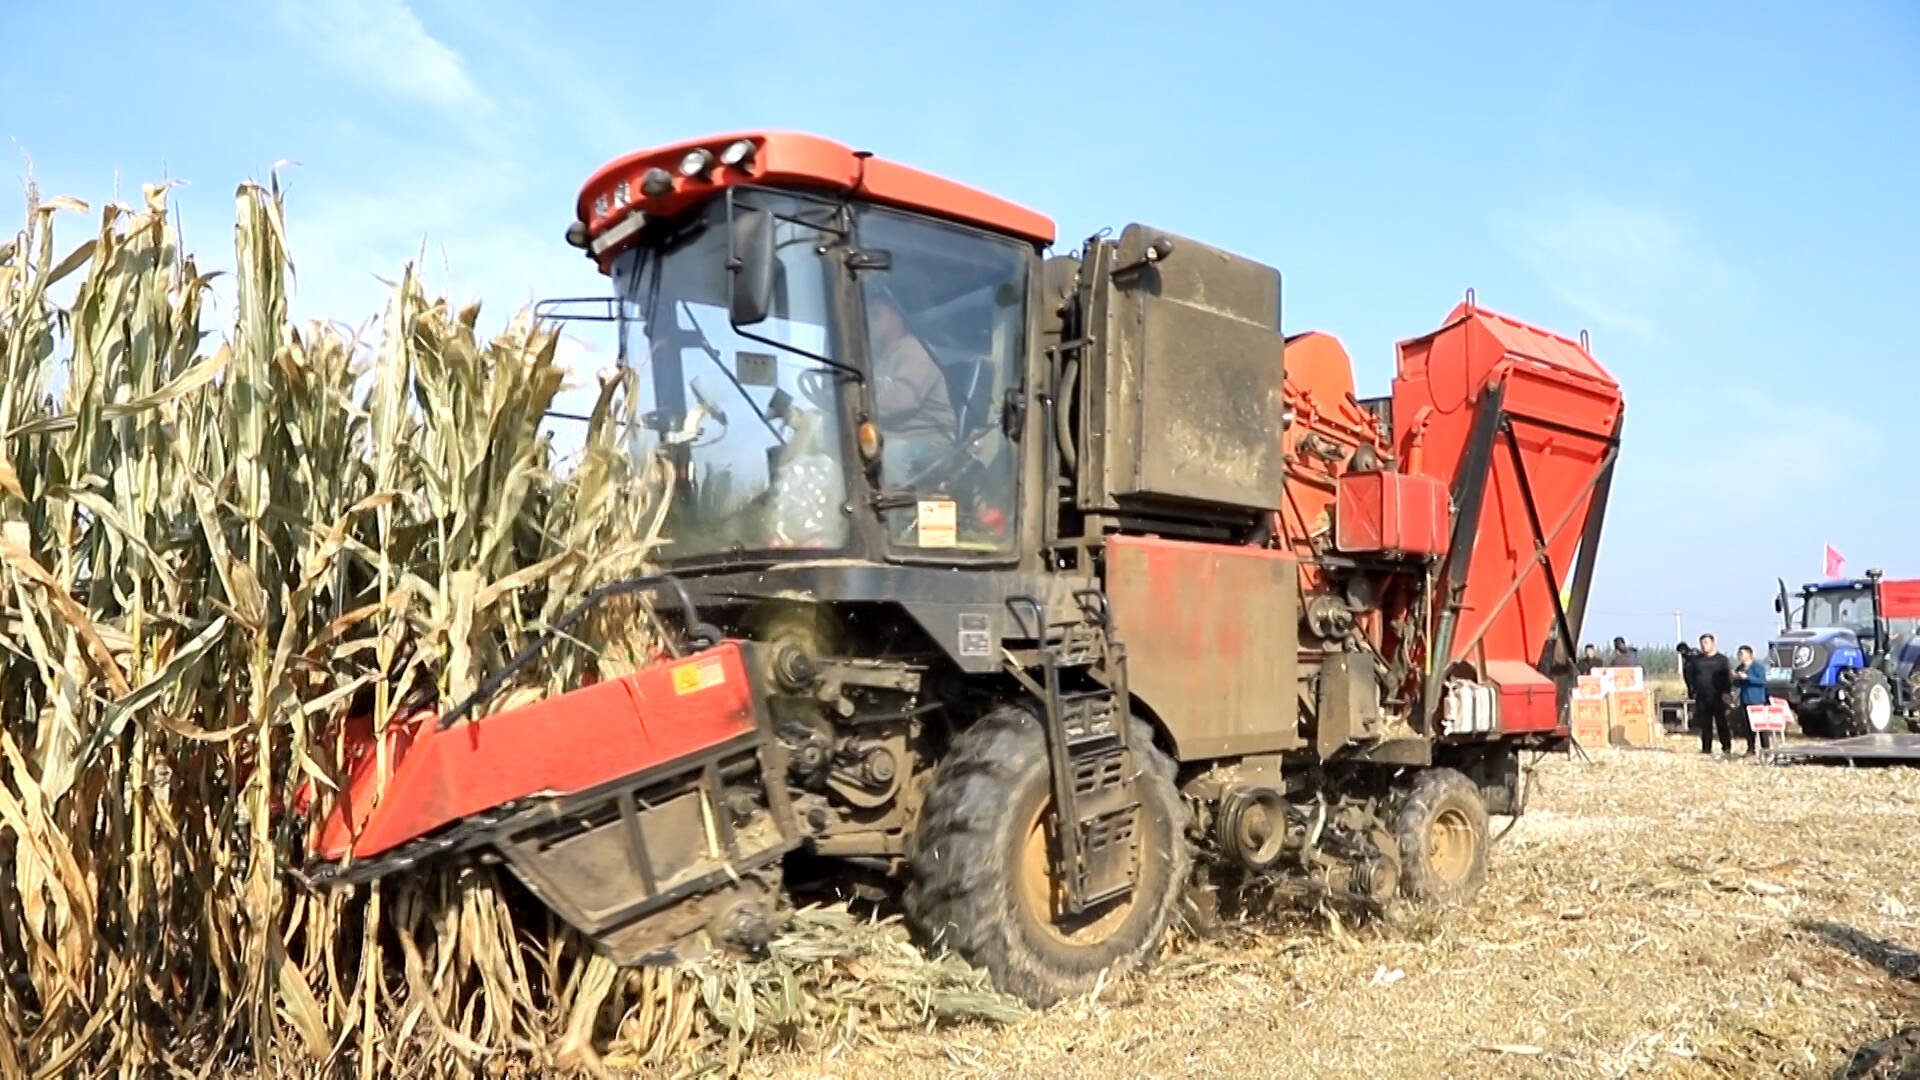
pixel 1100 786
pixel 1097 807
pixel 1105 867
pixel 1089 720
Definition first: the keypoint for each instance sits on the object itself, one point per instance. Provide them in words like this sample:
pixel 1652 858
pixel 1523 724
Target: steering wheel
pixel 816 385
pixel 706 402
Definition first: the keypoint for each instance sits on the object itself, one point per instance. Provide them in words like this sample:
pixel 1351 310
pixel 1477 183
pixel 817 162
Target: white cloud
pixel 1621 266
pixel 383 44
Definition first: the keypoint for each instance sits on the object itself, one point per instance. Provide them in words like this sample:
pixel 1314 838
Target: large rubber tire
pixel 1869 702
pixel 1441 827
pixel 981 876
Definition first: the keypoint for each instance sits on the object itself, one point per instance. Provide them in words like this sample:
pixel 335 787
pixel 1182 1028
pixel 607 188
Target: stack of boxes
pixel 1612 706
pixel 1589 711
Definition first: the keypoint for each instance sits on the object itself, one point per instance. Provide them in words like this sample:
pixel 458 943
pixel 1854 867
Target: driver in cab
pixel 916 417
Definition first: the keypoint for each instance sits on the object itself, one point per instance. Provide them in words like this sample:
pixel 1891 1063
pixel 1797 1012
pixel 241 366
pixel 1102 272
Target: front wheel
pixel 982 881
pixel 1869 702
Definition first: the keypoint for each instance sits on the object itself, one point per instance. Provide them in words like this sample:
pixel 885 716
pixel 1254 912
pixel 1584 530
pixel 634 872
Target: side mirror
pixel 1779 605
pixel 751 265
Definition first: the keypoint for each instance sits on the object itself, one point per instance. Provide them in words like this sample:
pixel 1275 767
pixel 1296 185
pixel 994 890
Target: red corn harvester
pixel 1048 586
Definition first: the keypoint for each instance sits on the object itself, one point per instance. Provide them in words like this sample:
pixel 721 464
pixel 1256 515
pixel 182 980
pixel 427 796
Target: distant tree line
pixel 1659 660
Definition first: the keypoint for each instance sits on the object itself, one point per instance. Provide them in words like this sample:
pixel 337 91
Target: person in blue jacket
pixel 1751 680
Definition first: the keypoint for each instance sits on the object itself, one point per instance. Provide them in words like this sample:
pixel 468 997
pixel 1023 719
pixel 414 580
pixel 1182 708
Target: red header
pixel 779 159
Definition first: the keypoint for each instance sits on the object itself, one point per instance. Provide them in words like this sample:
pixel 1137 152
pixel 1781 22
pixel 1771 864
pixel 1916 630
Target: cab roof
pixel 786 159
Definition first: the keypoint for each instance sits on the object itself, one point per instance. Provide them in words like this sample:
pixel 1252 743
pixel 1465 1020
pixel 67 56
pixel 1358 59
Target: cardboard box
pixel 1621 678
pixel 1589 721
pixel 1630 718
pixel 1632 702
pixel 1639 731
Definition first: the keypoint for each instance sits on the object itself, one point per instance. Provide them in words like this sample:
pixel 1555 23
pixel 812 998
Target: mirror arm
pixel 849 371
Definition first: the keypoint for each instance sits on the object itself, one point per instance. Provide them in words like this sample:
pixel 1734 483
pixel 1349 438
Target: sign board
pixel 1773 716
pixel 1621 678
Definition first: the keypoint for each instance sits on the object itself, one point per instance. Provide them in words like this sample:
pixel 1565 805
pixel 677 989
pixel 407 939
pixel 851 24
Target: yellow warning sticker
pixel 936 523
pixel 689 678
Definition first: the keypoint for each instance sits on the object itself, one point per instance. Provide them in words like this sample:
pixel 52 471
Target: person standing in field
pixel 1751 678
pixel 1689 660
pixel 1713 695
pixel 1624 655
pixel 1589 659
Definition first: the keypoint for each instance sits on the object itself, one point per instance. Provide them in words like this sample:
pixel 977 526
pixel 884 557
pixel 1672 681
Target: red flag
pixel 1834 562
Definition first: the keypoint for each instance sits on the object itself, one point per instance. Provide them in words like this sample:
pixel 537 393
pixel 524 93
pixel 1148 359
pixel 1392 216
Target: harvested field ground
pixel 1656 913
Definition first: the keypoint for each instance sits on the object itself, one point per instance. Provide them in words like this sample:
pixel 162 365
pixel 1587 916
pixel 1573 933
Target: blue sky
pixel 1723 194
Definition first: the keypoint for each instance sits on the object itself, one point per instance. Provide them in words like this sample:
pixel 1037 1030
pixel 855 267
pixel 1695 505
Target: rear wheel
pixel 1869 702
pixel 982 869
pixel 1441 826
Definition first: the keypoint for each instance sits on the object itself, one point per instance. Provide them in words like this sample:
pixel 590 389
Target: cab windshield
pixel 749 421
pixel 750 417
pixel 1850 609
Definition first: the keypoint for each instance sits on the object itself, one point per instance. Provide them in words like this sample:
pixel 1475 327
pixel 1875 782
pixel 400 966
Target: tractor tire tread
pixel 961 861
pixel 1432 791
pixel 1853 719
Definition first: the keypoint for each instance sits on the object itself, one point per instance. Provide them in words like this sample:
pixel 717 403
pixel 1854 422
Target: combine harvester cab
pixel 1146 602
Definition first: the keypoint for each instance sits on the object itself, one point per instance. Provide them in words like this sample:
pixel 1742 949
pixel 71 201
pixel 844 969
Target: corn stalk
pixel 215 549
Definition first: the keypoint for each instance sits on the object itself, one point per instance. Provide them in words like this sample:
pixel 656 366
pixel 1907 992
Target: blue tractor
pixel 1852 665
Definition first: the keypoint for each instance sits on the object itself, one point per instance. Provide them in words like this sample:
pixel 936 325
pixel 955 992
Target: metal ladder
pixel 1092 764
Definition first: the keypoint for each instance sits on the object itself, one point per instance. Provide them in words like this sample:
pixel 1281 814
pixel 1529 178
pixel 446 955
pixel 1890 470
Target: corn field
pixel 214 548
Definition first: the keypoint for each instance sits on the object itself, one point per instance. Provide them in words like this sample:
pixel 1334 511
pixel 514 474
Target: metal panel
pixel 1900 599
pixel 1211 399
pixel 1212 634
pixel 1383 511
pixel 559 745
pixel 1184 392
pixel 1861 750
pixel 1201 276
pixel 1349 703
pixel 1529 701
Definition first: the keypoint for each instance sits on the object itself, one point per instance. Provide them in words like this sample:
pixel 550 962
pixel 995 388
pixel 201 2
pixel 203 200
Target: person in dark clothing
pixel 1624 655
pixel 1689 670
pixel 1712 688
pixel 1589 659
pixel 1751 678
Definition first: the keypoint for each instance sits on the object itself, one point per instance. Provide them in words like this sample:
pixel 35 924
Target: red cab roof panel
pixel 784 159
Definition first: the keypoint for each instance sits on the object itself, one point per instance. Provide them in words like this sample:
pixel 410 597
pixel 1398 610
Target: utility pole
pixel 1679 628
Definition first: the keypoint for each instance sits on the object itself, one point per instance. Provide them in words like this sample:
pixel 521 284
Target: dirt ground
pixel 1656 913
